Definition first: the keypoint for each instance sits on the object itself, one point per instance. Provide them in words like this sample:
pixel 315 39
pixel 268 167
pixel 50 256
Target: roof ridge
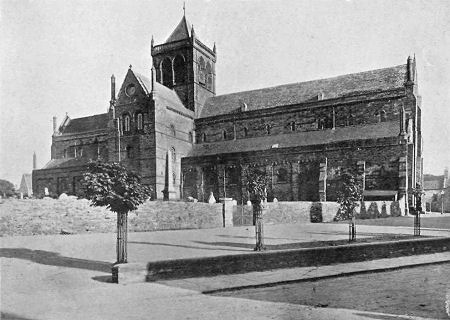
pixel 309 81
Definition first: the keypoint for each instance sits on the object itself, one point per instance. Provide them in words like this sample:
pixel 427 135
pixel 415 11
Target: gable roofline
pixel 308 91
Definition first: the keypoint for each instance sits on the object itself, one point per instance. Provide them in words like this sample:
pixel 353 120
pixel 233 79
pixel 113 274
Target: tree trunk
pixel 122 237
pixel 258 218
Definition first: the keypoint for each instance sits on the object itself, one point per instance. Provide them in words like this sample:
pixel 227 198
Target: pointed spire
pixel 184 8
pixel 34 160
pixel 153 79
pixel 214 48
pixel 192 32
pixel 113 88
pixel 130 66
pixel 152 42
pixel 409 69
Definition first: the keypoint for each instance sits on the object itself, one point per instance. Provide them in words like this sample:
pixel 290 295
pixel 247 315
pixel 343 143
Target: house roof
pixel 431 182
pixel 306 138
pixel 26 183
pixel 289 94
pixel 85 124
pixel 181 32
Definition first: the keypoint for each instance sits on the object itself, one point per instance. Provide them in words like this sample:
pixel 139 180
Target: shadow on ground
pixel 54 259
pixel 12 316
pixel 183 246
pixel 309 244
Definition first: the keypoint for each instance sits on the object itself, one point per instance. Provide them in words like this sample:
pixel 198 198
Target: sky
pixel 57 57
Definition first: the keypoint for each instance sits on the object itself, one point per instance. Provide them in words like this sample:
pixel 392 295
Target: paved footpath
pixel 66 277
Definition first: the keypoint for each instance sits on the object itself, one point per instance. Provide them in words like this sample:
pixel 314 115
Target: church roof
pixel 181 32
pixel 290 94
pixel 85 124
pixel 172 99
pixel 298 139
pixel 65 162
pixel 144 82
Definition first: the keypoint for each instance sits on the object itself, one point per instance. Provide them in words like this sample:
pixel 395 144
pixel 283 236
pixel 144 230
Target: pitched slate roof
pixel 65 162
pixel 85 124
pixel 307 138
pixel 171 99
pixel 143 81
pixel 181 32
pixel 289 94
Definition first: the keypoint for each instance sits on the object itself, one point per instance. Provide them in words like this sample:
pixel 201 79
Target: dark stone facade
pixel 186 141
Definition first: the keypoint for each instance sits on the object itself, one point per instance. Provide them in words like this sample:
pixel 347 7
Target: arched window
pixel 245 131
pixel 224 135
pixel 174 178
pixel 140 122
pixel 201 71
pixel 65 153
pixel 126 123
pixel 292 125
pixel 129 152
pixel 203 137
pixel 382 116
pixel 179 68
pixel 191 138
pixel 173 153
pixel 173 132
pixel 268 127
pixel 209 76
pixel 166 68
pixel 321 124
pixel 282 175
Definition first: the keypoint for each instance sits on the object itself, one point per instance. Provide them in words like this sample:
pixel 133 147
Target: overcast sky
pixel 58 56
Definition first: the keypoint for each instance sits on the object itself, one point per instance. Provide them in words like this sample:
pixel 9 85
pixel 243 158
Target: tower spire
pixel 184 8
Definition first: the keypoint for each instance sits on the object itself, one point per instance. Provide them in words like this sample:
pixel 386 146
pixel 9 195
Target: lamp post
pixel 442 201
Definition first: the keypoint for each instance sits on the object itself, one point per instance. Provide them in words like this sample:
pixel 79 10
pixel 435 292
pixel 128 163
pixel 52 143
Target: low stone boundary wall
pixel 305 212
pixel 269 260
pixel 71 215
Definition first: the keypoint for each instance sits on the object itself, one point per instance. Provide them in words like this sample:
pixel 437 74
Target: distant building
pixel 26 185
pixel 186 141
pixel 436 190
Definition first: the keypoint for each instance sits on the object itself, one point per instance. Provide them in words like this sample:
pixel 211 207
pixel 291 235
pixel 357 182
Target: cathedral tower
pixel 185 64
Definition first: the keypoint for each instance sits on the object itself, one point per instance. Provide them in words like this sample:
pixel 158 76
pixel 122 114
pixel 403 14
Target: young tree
pixel 349 198
pixel 257 188
pixel 120 190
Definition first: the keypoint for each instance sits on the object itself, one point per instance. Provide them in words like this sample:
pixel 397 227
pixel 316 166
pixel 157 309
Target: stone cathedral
pixel 186 141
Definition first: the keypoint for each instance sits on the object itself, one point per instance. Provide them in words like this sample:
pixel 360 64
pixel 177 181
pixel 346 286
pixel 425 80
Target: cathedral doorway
pixel 309 181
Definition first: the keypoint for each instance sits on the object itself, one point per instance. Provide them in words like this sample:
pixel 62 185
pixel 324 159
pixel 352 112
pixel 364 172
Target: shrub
pixel 395 209
pixel 384 213
pixel 373 211
pixel 316 212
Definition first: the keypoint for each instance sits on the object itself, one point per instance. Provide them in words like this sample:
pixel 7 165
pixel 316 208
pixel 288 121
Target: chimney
pixel 34 161
pixel 113 88
pixel 54 124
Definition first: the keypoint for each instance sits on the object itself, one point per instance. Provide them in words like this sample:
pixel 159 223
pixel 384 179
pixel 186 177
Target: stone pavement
pixel 66 277
pixel 234 282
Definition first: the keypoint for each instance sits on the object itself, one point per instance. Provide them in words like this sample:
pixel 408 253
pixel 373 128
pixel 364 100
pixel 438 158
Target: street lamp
pixel 442 201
